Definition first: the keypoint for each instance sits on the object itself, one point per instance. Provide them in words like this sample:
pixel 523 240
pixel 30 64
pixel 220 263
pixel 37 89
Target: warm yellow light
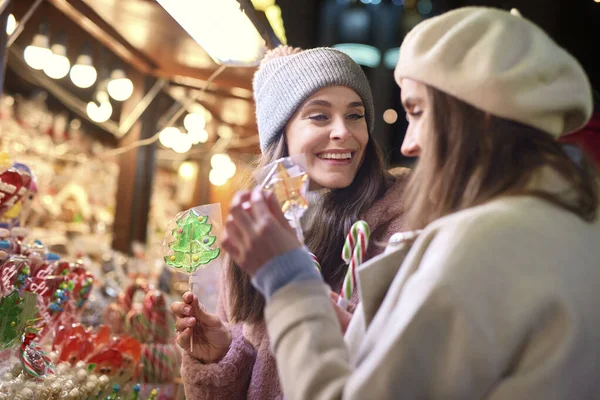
pixel 262 5
pixel 120 87
pixel 183 143
pixel 194 121
pixel 36 57
pixel 99 113
pixel 390 116
pixel 273 14
pixel 83 74
pixel 229 169
pixel 11 24
pixel 198 136
pixel 169 136
pixel 57 66
pixel 221 28
pixel 187 170
pixel 217 178
pixel 218 160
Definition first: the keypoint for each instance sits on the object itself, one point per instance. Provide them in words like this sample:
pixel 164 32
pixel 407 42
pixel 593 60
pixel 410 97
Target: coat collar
pixel 377 274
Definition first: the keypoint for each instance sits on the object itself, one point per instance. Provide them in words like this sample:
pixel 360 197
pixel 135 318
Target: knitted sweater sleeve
pixel 228 379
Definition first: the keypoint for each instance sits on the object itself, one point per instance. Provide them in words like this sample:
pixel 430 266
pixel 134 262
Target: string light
pixel 187 170
pixel 217 178
pixel 120 87
pixel 194 121
pixel 83 74
pixel 38 52
pixel 11 24
pixel 99 110
pixel 58 65
pixel 183 143
pixel 198 136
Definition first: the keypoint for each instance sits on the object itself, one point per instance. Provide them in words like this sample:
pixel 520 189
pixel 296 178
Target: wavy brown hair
pixel 471 157
pixel 339 210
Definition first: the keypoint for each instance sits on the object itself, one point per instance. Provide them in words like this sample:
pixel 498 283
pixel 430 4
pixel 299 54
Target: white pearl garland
pixel 72 383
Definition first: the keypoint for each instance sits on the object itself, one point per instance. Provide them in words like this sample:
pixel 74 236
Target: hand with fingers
pixel 211 336
pixel 344 315
pixel 256 230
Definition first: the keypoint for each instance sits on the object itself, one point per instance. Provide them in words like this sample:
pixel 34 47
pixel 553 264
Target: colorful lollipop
pixel 288 180
pixel 191 241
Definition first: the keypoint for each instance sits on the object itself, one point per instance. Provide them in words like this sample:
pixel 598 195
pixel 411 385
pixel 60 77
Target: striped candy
pixel 316 262
pixel 353 253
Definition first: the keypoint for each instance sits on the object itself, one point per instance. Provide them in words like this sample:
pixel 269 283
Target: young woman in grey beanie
pixel 497 296
pixel 318 103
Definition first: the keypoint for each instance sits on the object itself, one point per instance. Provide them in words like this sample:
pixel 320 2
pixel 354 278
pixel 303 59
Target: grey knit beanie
pixel 283 83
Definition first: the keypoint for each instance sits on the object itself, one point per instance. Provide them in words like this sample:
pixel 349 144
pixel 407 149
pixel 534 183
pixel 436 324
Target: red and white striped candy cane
pixel 353 253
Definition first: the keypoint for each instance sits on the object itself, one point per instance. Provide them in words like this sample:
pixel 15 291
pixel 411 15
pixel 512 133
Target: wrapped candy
pixel 288 179
pixel 191 242
pixel 16 312
pixel 191 237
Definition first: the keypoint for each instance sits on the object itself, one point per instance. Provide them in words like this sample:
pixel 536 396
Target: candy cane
pixel 316 262
pixel 353 253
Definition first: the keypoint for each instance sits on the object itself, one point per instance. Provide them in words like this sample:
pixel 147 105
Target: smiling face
pixel 331 130
pixel 417 105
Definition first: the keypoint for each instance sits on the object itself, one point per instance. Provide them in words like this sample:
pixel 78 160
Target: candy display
pixel 46 352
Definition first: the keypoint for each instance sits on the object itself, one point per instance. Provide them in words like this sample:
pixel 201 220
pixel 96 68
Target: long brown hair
pixel 340 209
pixel 470 157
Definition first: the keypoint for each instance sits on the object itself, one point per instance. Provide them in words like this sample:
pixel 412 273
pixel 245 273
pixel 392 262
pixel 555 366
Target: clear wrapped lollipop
pixel 288 179
pixel 192 241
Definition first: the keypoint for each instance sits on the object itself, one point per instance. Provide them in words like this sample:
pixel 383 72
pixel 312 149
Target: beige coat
pixel 500 301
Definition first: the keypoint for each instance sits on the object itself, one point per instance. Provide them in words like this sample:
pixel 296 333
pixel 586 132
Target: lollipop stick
pixel 191 283
pixel 297 226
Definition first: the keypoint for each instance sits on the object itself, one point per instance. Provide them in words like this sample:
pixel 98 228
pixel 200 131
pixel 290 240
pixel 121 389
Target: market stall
pixel 114 118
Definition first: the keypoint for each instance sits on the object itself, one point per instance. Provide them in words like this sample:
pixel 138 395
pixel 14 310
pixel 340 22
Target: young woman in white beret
pixel 497 297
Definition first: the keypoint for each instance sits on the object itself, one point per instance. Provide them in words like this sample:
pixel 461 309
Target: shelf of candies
pixel 45 352
pixel 76 190
pixel 42 303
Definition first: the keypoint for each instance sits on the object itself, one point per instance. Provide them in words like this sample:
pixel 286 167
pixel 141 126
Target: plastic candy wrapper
pixel 191 240
pixel 288 179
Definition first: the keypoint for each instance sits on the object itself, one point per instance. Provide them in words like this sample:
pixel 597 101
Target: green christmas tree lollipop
pixel 192 243
pixel 15 311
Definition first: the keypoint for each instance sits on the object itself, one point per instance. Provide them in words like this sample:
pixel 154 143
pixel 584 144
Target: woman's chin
pixel 331 181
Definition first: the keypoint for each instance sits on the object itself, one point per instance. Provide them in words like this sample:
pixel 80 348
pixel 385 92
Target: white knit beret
pixel 282 84
pixel 500 63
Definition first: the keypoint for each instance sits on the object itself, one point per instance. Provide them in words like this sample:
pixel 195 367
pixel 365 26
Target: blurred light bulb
pixel 58 65
pixel 83 74
pixel 183 143
pixel 217 178
pixel 194 121
pixel 169 136
pixel 225 132
pixel 187 170
pixel 198 136
pixel 11 24
pixel 120 87
pixel 37 53
pixel 390 116
pixel 219 159
pixel 99 113
pixel 229 169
